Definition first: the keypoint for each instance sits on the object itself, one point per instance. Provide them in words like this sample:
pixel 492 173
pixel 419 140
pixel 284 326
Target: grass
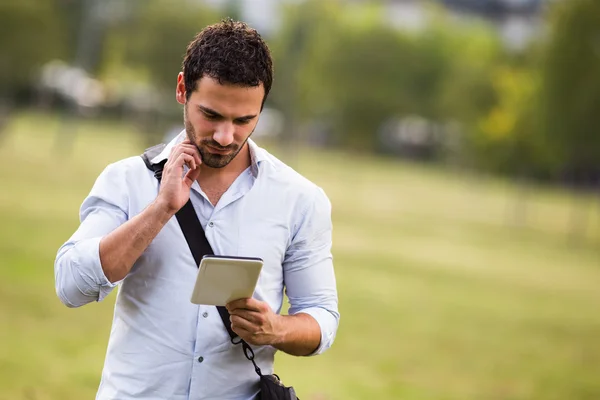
pixel 443 293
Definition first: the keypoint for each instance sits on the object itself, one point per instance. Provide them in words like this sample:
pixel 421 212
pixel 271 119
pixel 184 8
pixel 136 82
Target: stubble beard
pixel 210 159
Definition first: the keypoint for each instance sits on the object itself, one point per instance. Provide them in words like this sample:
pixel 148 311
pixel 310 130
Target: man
pixel 249 203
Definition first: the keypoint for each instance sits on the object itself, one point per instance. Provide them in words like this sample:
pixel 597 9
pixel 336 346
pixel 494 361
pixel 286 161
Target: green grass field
pixel 442 294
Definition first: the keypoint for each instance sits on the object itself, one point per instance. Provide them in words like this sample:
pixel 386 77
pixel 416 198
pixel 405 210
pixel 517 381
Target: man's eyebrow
pixel 216 114
pixel 209 111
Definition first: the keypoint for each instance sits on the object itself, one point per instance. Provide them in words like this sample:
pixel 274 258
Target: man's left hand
pixel 255 322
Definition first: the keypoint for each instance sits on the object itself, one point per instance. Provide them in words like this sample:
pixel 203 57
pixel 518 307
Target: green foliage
pixel 571 84
pixel 305 28
pixel 158 38
pixel 30 35
pixel 507 138
pixel 468 91
pixel 355 71
pixel 533 113
pixel 545 117
pixel 344 66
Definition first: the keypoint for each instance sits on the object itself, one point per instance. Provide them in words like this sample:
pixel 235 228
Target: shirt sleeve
pixel 79 278
pixel 308 270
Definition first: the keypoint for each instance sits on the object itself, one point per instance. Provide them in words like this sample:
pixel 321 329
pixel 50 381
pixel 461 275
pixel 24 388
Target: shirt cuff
pixel 328 323
pixel 91 276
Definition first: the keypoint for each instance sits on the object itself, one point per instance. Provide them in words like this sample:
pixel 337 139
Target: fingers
pixel 251 316
pixel 193 151
pixel 247 304
pixel 185 148
pixel 187 159
pixel 243 333
pixel 238 323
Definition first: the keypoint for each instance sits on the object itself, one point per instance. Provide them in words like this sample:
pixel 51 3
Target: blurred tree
pixel 342 64
pixel 508 139
pixel 570 98
pixel 375 73
pixel 71 18
pixel 158 37
pixel 294 93
pixel 570 93
pixel 30 35
pixel 468 93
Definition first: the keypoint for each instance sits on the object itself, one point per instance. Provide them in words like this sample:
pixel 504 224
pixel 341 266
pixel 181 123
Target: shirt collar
pixel 257 154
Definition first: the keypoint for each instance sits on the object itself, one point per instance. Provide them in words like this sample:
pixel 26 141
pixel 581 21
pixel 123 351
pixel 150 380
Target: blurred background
pixel 458 141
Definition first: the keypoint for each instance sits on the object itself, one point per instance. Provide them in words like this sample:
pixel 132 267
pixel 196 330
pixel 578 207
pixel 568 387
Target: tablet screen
pixel 222 279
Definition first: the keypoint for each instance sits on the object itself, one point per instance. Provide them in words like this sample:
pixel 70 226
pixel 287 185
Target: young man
pixel 249 203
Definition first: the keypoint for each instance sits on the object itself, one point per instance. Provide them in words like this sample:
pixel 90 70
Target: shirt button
pixel 211 224
pixel 205 314
pixel 200 359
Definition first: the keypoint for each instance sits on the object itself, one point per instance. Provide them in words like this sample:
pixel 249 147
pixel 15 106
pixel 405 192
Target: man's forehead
pixel 227 98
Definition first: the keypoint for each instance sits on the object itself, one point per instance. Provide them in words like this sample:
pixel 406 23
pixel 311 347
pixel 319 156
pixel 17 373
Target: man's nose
pixel 224 134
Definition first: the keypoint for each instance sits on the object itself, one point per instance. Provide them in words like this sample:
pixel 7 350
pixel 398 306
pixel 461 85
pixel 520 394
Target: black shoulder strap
pixel 190 226
pixel 149 154
pixel 197 242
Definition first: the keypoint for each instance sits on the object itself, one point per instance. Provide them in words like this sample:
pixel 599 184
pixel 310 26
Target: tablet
pixel 222 279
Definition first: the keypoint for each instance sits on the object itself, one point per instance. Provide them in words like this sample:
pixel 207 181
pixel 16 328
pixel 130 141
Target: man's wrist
pixel 280 336
pixel 161 210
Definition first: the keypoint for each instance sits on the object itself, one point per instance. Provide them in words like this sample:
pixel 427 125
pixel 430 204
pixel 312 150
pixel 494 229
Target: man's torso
pixel 163 345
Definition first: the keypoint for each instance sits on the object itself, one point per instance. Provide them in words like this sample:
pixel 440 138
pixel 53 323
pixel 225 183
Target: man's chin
pixel 215 161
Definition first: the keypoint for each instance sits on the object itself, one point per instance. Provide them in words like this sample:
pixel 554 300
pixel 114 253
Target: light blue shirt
pixel 162 346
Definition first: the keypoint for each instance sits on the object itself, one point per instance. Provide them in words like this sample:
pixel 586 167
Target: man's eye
pixel 242 121
pixel 211 116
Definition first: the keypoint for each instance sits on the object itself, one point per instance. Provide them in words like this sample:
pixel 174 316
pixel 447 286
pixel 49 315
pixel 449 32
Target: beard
pixel 210 159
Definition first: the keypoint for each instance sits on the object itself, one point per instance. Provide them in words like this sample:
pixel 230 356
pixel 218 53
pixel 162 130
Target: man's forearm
pixel 121 248
pixel 300 335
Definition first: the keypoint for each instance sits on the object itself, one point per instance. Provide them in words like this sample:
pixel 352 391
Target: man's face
pixel 219 119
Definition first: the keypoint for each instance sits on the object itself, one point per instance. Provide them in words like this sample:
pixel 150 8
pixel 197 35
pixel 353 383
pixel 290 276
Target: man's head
pixel 227 75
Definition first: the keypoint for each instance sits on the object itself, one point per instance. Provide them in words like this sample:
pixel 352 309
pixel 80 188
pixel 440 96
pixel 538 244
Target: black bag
pixel 271 387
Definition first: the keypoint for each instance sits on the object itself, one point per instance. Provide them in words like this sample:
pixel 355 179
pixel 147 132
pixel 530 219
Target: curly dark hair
pixel 231 52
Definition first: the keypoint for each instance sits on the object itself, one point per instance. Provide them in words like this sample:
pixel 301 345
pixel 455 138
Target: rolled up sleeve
pixel 79 277
pixel 308 270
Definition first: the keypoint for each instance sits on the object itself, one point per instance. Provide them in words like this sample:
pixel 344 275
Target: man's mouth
pixel 218 151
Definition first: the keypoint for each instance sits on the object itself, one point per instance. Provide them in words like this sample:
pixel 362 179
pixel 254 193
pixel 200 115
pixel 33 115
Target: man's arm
pixel 122 247
pixel 107 243
pixel 313 319
pixel 299 335
pixel 256 323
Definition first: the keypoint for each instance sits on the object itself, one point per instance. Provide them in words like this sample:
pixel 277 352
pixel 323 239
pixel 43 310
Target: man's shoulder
pixel 125 171
pixel 295 189
pixel 292 179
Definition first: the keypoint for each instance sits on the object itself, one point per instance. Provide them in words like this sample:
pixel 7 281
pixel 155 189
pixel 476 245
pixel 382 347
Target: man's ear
pixel 180 90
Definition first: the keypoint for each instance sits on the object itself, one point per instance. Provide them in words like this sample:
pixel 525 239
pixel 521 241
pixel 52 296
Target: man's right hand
pixel 174 189
pixel 122 247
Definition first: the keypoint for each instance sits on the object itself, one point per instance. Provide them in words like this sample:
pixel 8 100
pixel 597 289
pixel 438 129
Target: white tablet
pixel 222 279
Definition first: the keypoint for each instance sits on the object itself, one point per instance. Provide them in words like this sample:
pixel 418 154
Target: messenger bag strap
pixel 198 244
